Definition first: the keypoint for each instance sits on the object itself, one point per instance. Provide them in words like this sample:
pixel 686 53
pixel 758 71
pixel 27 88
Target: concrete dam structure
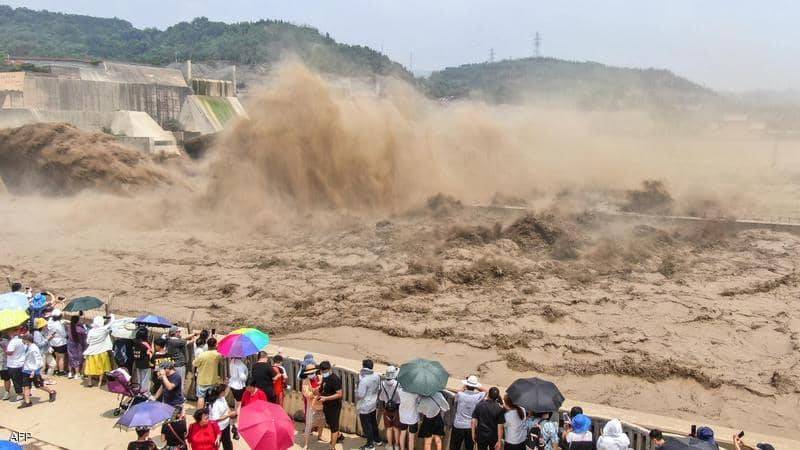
pixel 136 103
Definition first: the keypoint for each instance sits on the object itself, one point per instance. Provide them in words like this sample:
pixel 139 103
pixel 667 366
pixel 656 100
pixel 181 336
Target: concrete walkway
pixel 82 418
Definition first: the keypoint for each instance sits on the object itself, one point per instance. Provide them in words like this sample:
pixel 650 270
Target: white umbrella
pixel 13 300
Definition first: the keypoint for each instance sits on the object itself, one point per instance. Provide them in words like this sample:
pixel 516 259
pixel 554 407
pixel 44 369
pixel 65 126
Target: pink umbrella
pixel 266 426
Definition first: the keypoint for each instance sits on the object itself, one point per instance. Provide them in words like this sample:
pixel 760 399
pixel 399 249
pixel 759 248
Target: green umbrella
pixel 423 377
pixel 83 304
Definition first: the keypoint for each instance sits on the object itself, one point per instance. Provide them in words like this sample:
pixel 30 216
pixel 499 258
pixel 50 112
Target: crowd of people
pixel 49 346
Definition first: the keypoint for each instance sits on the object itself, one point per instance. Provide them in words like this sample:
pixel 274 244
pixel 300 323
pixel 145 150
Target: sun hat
pixel 310 369
pixel 705 434
pixel 55 312
pixel 471 381
pixel 39 323
pixel 391 373
pixel 581 423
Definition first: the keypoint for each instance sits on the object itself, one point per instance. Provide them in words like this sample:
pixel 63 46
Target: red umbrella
pixel 266 426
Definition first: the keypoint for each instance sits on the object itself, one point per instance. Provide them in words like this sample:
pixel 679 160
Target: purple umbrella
pixel 146 415
pixel 152 320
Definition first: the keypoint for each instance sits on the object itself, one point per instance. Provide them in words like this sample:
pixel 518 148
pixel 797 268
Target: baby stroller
pixel 119 382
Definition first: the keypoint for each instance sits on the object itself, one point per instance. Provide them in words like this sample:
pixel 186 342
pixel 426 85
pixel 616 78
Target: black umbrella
pixel 535 394
pixel 687 443
pixel 83 304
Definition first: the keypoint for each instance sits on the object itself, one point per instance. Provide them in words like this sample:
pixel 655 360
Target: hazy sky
pixel 724 44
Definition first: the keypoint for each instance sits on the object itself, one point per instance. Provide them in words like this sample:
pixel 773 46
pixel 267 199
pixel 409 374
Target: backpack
pixel 122 352
pixel 391 404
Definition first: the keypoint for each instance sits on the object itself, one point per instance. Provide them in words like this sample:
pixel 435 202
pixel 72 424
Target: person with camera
pixel 170 390
pixel 542 432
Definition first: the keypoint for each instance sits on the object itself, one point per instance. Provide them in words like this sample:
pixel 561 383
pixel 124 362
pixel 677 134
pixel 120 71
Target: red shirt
pixel 203 437
pixel 277 385
pixel 248 397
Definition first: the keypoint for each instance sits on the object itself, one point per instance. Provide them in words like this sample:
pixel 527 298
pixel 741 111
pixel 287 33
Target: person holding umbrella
pixel 331 398
pixel 487 422
pixel 142 417
pixel 418 377
pixel 431 408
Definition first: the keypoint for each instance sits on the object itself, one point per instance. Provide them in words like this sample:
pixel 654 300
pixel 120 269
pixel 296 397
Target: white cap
pixel 391 373
pixel 55 312
pixel 471 381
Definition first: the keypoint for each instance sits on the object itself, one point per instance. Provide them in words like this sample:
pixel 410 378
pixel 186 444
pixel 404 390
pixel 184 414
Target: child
pixel 32 372
pixel 279 382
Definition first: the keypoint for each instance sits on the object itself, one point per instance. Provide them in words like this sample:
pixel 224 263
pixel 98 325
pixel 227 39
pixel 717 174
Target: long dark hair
pixel 73 326
pixel 510 405
pixel 202 338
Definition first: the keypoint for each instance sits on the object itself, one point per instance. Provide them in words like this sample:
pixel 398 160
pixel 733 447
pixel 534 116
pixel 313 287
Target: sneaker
pixel 52 397
pixel 235 433
pixel 70 376
pixel 79 377
pixel 341 438
pixel 16 398
pixel 6 396
pixel 25 405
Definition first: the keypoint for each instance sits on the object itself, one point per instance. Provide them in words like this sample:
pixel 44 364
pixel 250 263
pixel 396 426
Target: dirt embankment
pixel 59 159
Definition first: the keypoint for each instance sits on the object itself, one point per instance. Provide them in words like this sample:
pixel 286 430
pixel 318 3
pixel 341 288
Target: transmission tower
pixel 491 55
pixel 537 45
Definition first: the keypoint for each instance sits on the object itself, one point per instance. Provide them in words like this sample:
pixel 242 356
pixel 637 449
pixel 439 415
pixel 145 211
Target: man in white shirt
pixel 467 398
pixel 15 359
pixel 409 418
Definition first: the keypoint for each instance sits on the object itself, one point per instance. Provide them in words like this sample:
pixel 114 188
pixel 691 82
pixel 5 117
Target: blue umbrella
pixel 146 415
pixel 152 320
pixel 13 300
pixel 8 445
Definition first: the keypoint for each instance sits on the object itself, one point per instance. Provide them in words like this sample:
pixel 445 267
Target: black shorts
pixel 15 373
pixel 332 417
pixel 237 394
pixel 61 349
pixel 410 428
pixel 36 380
pixel 432 427
pixel 4 375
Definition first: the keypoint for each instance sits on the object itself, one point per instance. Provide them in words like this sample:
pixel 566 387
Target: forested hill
pixel 585 84
pixel 24 32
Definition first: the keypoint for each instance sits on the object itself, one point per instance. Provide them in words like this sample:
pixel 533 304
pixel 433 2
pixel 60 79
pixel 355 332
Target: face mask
pixel 313 376
pixel 326 375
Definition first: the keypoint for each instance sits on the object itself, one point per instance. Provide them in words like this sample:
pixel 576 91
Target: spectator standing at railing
pixel 331 398
pixel 515 432
pixel 578 433
pixel 176 349
pixel 310 383
pixel 467 398
pixel 369 384
pixel 432 409
pixel 142 354
pixel 263 374
pixel 707 434
pixel 738 444
pixel 76 344
pixel 657 438
pixel 487 422
pixel 208 376
pixel 409 418
pixel 389 402
pixel 98 340
pixel 4 375
pixel 542 432
pixel 237 379
pixel 279 380
pixel 57 337
pixel 613 438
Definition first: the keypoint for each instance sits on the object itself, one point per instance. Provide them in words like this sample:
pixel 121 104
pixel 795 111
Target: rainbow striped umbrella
pixel 243 342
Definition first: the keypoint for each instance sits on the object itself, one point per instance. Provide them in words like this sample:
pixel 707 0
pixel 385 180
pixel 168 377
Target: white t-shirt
pixel 220 409
pixel 466 402
pixel 408 407
pixel 389 387
pixel 579 437
pixel 17 358
pixel 33 359
pixel 238 374
pixel 515 432
pixel 56 329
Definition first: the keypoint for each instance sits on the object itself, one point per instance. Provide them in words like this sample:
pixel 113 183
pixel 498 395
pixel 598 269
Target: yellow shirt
pixel 207 365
